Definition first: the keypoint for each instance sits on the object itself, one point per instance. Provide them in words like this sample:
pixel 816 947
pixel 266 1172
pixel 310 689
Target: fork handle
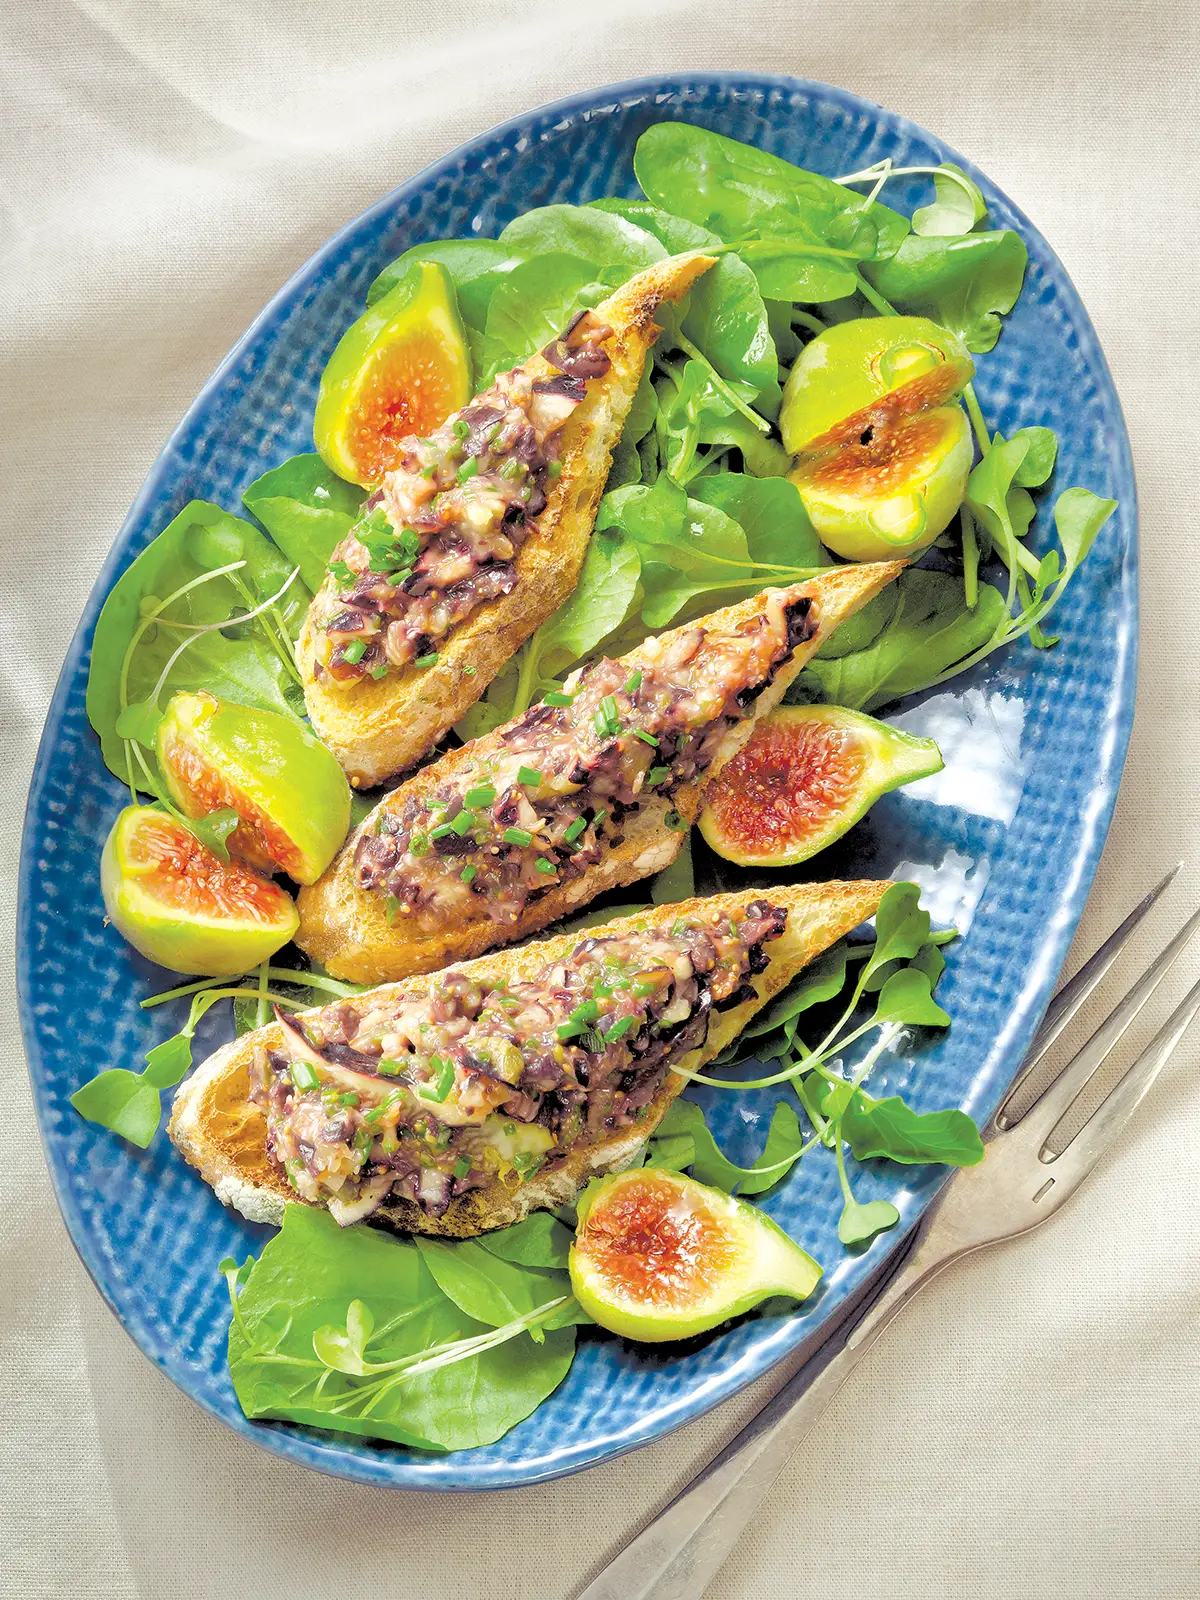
pixel 678 1554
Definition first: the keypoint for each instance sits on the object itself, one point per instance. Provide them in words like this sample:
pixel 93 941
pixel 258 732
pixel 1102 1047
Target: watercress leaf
pixel 307 509
pixel 784 1147
pixel 965 283
pixel 122 1101
pixel 676 882
pixel 140 722
pixel 475 267
pixel 957 207
pixel 531 306
pixel 930 961
pixel 585 232
pixel 1038 462
pixel 307 1278
pixel 788 344
pixel 989 487
pixel 860 1221
pixel 930 630
pixel 770 513
pixel 1021 509
pixel 892 1130
pixel 168 1063
pixel 906 999
pixel 344 1349
pixel 762 457
pixel 822 980
pixel 1078 516
pixel 243 668
pixel 784 1143
pixel 675 1151
pixel 214 829
pixel 601 601
pixel 245 1015
pixel 901 926
pixel 741 192
pixel 539 1241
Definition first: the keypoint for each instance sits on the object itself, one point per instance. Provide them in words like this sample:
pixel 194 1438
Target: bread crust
pixel 222 1133
pixel 376 729
pixel 346 928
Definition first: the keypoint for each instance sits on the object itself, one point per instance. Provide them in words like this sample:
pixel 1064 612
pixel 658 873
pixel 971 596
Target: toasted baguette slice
pixel 346 928
pixel 222 1132
pixel 379 728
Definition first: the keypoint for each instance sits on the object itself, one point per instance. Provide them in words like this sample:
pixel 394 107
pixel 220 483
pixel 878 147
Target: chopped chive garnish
pixel 553 468
pixel 592 1040
pixel 600 816
pixel 468 874
pixel 470 671
pixel 348 1099
pixel 459 428
pixel 546 867
pixel 410 542
pixel 608 707
pixel 389 1068
pixel 557 698
pixel 427 472
pixel 418 845
pixel 674 820
pixel 374 1114
pixel 529 775
pixel 442 829
pixel 657 775
pixel 600 723
pixel 646 738
pixel 303 1075
pixel 342 572
pixel 620 1028
pixel 463 822
pixel 426 660
pixel 482 795
pixel 468 470
pixel 567 1031
pixel 462 1166
pixel 391 909
pixel 445 1080
pixel 354 651
pixel 576 828
pixel 512 469
pixel 517 836
pixel 380 671
pixel 587 1011
pixel 633 682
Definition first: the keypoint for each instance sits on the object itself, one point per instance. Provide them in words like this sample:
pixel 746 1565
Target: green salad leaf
pixel 957 208
pixel 475 267
pixel 966 282
pixel 401 1360
pixel 889 1129
pixel 532 304
pixel 307 510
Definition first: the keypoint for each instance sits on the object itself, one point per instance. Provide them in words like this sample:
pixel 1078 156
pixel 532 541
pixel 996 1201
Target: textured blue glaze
pixel 1005 841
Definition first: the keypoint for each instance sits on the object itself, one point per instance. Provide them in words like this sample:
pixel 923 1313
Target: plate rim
pixel 326 1453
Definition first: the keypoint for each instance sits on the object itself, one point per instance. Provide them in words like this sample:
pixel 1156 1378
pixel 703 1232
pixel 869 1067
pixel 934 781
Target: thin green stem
pixel 305 980
pixel 726 389
pixel 970 549
pixel 975 411
pixel 874 298
pixel 807 320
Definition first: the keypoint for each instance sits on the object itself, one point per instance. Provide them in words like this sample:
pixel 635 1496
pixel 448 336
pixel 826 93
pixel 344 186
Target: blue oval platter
pixel 1004 842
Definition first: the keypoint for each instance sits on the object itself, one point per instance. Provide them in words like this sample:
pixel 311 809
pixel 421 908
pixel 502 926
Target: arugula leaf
pixel 966 283
pixel 889 1129
pixel 539 1241
pixel 901 926
pixel 860 1221
pixel 214 829
pixel 906 999
pixel 136 635
pixel 475 266
pixel 531 306
pixel 784 1147
pixel 307 510
pixel 822 980
pixel 958 205
pixel 301 1294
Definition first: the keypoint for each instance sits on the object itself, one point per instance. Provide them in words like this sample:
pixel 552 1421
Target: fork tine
pixel 1056 1100
pixel 1074 992
pixel 1078 1158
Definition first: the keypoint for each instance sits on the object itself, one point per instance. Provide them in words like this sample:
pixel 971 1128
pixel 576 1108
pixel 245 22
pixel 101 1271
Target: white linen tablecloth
pixel 1030 1428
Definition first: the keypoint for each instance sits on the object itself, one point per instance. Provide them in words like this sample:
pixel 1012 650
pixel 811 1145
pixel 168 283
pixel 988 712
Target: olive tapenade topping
pixel 441 534
pixel 422 1099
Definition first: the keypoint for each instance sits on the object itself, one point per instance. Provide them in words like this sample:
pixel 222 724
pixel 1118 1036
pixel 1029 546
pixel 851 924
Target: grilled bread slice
pixel 346 928
pixel 378 728
pixel 222 1132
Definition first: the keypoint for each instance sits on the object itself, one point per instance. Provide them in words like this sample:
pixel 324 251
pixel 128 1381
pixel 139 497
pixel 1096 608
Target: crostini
pixel 460 1101
pixel 592 789
pixel 475 538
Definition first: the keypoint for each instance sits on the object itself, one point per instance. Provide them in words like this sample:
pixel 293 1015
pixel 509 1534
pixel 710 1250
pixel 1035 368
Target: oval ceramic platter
pixel 1004 842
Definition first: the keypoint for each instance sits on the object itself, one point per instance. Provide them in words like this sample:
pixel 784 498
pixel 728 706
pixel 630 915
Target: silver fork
pixel 1022 1182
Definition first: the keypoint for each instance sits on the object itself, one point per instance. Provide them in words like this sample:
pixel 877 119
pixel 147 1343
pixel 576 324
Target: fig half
pixel 806 775
pixel 288 790
pixel 181 907
pixel 658 1256
pixel 401 369
pixel 867 373
pixel 891 491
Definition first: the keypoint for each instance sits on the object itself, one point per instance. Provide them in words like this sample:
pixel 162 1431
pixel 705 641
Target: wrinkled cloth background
pixel 1030 1426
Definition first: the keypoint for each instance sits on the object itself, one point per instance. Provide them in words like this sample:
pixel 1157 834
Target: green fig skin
pixel 892 497
pixel 180 907
pixel 287 788
pixel 758 813
pixel 869 370
pixel 714 1257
